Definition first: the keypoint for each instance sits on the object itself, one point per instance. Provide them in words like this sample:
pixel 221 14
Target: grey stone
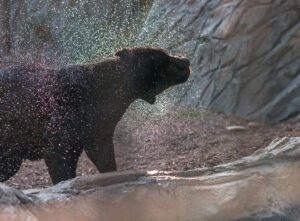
pixel 12 197
pixel 236 128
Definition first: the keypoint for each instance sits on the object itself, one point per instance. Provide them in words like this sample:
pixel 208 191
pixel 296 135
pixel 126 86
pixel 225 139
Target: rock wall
pixel 245 54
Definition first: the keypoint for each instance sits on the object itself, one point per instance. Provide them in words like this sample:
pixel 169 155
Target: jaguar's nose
pixel 183 63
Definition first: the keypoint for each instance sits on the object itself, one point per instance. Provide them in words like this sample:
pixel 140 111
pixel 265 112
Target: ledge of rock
pixel 263 186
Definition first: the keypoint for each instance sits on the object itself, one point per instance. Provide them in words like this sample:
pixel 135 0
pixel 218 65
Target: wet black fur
pixel 56 114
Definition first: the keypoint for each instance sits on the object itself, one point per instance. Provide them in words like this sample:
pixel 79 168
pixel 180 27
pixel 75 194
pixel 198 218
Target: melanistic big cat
pixel 56 114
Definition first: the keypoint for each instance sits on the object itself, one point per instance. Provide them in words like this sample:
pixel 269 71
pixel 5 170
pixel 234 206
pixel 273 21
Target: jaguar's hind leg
pixel 9 166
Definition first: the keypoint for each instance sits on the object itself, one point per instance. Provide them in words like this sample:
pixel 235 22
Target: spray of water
pixel 57 34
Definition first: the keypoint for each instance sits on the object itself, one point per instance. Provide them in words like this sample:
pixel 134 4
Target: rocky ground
pixel 180 140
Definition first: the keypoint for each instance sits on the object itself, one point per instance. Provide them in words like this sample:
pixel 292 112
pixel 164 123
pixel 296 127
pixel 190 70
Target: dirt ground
pixel 180 140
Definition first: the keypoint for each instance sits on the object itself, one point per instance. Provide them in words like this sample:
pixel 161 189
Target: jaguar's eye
pixel 183 64
pixel 163 74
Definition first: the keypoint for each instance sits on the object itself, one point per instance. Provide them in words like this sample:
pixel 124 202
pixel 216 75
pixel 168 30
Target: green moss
pixel 193 113
pixel 190 113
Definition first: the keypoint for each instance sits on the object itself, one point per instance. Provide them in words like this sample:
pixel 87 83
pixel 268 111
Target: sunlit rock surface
pixel 260 187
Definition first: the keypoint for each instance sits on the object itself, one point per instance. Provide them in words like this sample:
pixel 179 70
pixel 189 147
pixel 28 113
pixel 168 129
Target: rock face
pixel 11 197
pixel 245 53
pixel 246 56
pixel 260 187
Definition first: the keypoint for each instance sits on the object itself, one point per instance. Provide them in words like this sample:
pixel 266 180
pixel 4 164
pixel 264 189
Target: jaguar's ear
pixel 149 98
pixel 124 53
